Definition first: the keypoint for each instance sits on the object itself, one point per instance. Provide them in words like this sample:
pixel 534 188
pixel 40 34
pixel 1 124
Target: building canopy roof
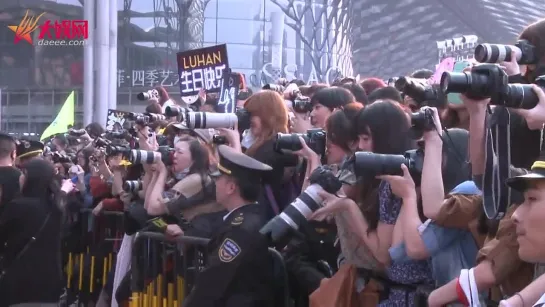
pixel 389 38
pixel 392 38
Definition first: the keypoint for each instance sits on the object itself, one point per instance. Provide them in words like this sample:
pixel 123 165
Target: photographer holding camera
pixel 451 234
pixel 268 117
pixel 188 196
pixel 325 101
pixel 368 224
pixel 498 262
pixel 299 108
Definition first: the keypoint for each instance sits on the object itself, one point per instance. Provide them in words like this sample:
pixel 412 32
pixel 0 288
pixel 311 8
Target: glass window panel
pixel 238 31
pixel 143 6
pixel 211 9
pixel 271 7
pixel 243 56
pixel 240 9
pixel 210 25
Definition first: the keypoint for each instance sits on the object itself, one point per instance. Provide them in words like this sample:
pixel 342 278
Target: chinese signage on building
pixel 202 68
pixel 52 33
pixel 147 78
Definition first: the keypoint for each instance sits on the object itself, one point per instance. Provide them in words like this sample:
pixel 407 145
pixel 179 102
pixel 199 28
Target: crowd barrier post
pixel 90 252
pixel 169 284
pixel 151 286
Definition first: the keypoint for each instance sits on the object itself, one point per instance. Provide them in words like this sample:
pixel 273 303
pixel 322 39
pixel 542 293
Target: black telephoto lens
pixel 519 96
pixel 289 141
pixel 455 82
pixel 368 164
pixel 116 150
pixel 175 111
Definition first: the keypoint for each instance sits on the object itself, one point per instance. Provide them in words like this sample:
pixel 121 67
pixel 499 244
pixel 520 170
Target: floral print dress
pixel 408 273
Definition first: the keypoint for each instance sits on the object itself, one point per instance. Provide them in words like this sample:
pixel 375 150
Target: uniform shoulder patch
pixel 228 250
pixel 237 220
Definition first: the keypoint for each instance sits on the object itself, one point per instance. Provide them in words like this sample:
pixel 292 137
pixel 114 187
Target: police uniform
pixel 239 269
pixel 28 149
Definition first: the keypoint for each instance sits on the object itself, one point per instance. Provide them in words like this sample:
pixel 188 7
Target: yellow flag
pixel 64 118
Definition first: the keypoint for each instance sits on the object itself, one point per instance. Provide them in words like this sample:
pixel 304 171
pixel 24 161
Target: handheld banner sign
pixel 202 68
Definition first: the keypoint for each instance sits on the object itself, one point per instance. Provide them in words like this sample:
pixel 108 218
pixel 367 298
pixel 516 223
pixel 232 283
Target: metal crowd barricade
pixel 90 251
pixel 163 272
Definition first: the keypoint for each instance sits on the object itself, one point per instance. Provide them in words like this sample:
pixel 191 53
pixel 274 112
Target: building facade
pixel 266 39
pixel 395 38
pixel 312 40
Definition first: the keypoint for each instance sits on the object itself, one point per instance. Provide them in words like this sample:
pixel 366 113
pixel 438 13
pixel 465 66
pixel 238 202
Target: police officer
pixel 238 270
pixel 28 150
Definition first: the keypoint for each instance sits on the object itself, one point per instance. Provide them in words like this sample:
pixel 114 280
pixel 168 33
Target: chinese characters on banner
pixel 229 92
pixel 115 120
pixel 147 78
pixel 202 68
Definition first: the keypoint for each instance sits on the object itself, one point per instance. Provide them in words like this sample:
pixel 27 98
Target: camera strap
pixel 496 194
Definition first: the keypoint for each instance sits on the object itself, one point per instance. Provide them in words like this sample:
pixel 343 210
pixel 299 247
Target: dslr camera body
pixel 420 90
pixel 490 81
pixel 143 119
pixel 76 132
pixel 57 157
pixel 314 138
pixel 422 121
pixel 101 142
pixel 219 139
pixel 148 95
pixel 301 104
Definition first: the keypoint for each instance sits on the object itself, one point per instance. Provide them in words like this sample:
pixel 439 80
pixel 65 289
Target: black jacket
pixel 35 276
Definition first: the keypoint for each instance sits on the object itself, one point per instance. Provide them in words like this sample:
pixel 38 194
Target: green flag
pixel 64 118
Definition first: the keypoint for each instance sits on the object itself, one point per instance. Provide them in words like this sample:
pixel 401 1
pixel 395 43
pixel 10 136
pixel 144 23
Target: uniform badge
pixel 237 220
pixel 228 251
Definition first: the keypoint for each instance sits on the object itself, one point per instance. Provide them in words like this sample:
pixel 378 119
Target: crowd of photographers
pixel 376 193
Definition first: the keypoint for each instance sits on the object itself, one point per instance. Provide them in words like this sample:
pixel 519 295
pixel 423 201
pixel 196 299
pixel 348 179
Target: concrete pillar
pixel 103 56
pixel 88 61
pixel 112 86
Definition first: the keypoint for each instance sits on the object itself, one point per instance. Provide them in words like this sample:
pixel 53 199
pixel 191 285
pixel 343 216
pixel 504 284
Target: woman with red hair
pixel 371 84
